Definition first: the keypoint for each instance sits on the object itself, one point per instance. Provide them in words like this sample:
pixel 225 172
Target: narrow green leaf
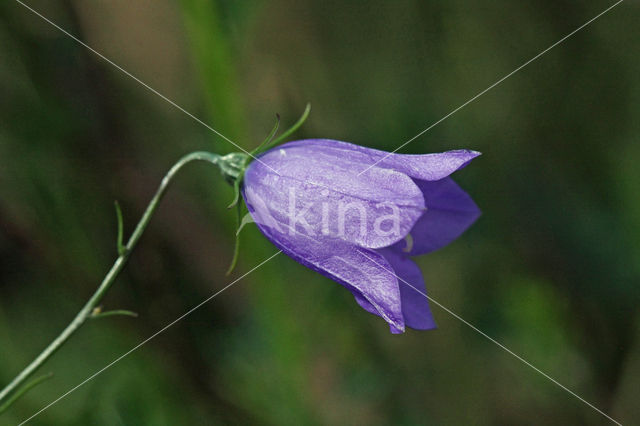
pixel 24 389
pixel 120 246
pixel 98 314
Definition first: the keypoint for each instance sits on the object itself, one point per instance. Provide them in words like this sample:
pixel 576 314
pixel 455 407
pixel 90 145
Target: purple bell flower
pixel 322 204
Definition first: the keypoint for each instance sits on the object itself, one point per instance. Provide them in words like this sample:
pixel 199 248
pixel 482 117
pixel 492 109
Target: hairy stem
pixel 19 381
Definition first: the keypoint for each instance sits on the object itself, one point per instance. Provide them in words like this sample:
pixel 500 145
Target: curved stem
pixel 108 280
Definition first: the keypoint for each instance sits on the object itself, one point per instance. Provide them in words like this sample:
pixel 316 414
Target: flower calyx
pixel 232 167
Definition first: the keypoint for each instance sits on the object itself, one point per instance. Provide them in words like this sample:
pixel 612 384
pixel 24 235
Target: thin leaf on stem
pixel 120 246
pixel 24 389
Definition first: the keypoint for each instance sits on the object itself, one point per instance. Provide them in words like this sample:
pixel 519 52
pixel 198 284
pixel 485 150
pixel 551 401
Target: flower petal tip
pixel 465 156
pixel 467 153
pixel 395 330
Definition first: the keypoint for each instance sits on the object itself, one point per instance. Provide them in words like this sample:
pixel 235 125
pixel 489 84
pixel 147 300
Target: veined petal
pixel 450 211
pixel 325 196
pixel 415 304
pixel 362 271
pixel 419 166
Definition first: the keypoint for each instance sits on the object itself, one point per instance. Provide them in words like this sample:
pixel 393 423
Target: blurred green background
pixel 551 269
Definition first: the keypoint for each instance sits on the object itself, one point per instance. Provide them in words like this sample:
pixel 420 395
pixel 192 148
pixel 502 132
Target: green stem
pixel 86 311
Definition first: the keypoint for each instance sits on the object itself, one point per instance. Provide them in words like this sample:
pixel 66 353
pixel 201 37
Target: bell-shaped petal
pixel 362 271
pixel 413 292
pixel 323 194
pixel 419 166
pixel 450 211
pixel 355 215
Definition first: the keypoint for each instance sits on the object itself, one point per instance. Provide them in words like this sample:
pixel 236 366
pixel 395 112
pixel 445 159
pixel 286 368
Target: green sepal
pixel 286 134
pixel 236 247
pixel 268 138
pixel 236 193
pixel 246 219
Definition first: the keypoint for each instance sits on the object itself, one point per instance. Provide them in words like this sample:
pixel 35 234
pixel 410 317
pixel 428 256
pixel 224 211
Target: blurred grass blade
pixel 211 48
